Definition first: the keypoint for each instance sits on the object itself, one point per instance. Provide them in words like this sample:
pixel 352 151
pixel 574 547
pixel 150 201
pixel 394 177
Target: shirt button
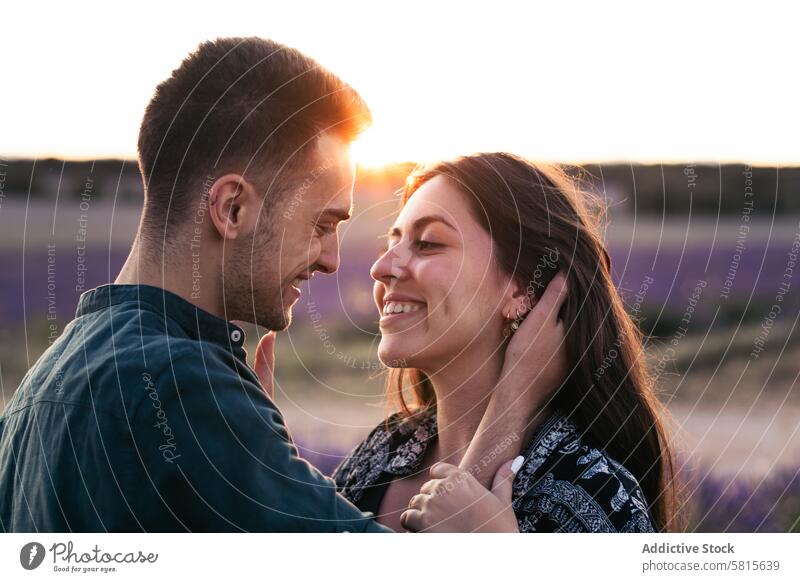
pixel 236 335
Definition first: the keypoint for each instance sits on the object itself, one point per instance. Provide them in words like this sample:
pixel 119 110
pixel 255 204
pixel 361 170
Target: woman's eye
pixel 426 245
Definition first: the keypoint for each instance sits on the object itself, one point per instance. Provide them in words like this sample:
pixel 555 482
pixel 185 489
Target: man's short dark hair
pixel 245 105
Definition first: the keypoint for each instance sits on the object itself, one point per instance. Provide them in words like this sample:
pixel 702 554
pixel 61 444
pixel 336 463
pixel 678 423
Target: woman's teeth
pixel 394 307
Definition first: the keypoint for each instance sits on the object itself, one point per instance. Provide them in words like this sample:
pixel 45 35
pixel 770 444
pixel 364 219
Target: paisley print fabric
pixel 564 485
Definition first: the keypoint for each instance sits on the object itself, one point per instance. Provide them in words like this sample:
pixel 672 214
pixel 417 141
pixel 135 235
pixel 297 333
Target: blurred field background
pixel 736 417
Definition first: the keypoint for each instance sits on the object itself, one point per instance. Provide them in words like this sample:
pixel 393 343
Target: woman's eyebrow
pixel 422 222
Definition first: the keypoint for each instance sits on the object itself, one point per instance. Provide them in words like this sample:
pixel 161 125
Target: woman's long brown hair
pixel 534 213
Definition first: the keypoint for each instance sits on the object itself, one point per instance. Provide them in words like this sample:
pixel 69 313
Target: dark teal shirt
pixel 144 416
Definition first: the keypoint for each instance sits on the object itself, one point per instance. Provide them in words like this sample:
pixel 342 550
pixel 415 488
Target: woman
pixel 475 244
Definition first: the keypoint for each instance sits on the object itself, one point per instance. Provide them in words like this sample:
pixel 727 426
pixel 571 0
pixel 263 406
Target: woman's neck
pixel 463 390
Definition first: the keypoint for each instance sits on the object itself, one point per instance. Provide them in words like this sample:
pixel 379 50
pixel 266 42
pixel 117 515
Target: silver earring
pixel 511 326
pixel 519 319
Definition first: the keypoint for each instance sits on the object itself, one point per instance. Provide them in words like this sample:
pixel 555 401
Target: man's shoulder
pixel 105 360
pixel 132 338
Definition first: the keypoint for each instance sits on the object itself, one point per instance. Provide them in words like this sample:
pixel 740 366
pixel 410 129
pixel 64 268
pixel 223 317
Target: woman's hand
pixel 535 367
pixel 535 363
pixel 453 501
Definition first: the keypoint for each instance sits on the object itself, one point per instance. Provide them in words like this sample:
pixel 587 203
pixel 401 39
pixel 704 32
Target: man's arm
pixel 219 453
pixel 535 367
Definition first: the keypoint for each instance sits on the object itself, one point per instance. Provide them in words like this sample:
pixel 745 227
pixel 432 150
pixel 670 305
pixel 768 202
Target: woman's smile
pixel 400 312
pixel 399 308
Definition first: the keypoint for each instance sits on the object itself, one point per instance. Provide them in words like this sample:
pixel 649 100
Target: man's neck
pixel 147 266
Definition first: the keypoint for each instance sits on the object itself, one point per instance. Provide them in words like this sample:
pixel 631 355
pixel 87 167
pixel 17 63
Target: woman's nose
pixel 390 264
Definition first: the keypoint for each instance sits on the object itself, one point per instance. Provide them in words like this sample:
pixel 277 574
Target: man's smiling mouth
pixel 294 286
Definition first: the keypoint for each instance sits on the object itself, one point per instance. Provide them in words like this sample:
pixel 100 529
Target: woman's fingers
pixel 560 292
pixel 411 520
pixel 460 504
pixel 553 297
pixel 418 501
pixel 442 470
pixel 541 327
pixel 430 487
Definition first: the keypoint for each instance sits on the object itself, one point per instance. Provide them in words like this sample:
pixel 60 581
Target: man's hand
pixel 535 367
pixel 265 362
pixel 454 501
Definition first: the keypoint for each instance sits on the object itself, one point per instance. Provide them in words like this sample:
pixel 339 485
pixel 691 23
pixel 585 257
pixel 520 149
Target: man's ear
pixel 234 206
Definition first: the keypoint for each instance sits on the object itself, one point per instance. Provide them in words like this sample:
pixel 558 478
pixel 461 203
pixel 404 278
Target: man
pixel 144 415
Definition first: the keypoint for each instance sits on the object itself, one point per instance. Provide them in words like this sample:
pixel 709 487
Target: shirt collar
pixel 196 322
pixel 408 455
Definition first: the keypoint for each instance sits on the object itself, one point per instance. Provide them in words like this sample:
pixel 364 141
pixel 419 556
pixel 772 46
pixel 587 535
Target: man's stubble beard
pixel 251 293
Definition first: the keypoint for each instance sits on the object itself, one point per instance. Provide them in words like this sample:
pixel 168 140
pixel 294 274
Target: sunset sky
pixel 557 81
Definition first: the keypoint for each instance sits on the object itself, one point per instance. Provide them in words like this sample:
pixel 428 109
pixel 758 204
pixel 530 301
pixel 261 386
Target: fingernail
pixel 517 464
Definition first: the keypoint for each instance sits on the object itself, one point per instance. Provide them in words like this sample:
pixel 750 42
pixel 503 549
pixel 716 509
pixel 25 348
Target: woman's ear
pixel 233 206
pixel 518 302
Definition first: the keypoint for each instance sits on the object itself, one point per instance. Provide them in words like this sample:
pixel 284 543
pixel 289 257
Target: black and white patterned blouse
pixel 564 485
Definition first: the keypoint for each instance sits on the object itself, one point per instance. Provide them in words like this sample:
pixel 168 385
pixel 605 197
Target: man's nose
pixel 328 261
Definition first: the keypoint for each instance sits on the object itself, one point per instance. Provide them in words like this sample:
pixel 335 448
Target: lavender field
pixel 729 379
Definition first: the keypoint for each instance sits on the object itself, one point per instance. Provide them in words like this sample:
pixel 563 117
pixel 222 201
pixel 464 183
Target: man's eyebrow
pixel 422 222
pixel 336 213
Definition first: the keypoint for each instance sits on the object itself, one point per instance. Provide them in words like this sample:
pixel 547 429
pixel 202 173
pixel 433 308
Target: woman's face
pixel 438 288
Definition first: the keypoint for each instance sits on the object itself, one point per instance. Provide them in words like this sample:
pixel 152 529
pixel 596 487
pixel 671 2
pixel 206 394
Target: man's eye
pixel 323 229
